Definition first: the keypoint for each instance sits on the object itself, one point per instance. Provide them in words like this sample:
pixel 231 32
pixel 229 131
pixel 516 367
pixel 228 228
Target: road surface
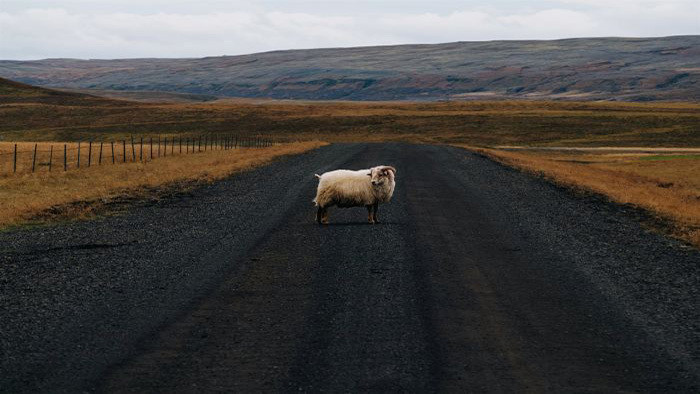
pixel 478 279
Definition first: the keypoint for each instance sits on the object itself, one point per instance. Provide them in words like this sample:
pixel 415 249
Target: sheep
pixel 346 188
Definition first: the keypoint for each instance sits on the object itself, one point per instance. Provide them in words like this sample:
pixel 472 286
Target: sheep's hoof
pixel 370 221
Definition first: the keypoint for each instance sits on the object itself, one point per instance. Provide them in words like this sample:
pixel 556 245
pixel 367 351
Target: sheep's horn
pixel 390 168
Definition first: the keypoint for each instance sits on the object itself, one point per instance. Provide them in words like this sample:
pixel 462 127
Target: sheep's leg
pixel 324 216
pixel 319 214
pixel 374 214
pixel 370 218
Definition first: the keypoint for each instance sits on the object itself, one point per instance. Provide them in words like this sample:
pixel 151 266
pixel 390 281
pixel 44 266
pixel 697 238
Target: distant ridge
pixel 627 69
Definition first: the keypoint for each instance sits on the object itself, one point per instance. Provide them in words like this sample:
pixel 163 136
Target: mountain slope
pixel 12 92
pixel 586 69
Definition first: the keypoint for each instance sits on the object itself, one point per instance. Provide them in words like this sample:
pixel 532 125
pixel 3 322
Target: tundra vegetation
pixel 35 114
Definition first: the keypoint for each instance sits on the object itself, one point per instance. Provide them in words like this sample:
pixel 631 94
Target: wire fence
pixel 51 157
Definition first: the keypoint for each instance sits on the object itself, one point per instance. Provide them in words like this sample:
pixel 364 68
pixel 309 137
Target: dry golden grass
pixel 77 193
pixel 50 155
pixel 667 185
pixel 481 123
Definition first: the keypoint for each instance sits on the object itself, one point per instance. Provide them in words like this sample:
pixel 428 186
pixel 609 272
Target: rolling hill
pixel 628 69
pixel 13 92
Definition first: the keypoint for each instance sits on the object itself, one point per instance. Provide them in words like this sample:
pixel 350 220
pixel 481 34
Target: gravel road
pixel 479 279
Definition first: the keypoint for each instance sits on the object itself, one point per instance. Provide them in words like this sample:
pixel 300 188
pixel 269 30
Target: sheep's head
pixel 382 174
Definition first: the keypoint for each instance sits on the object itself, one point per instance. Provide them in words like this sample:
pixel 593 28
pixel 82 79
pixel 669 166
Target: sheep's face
pixel 381 175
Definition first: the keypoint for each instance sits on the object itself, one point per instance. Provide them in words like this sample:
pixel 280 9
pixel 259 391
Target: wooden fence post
pixel 180 144
pixel 123 151
pixel 111 143
pixel 65 157
pixel 99 160
pixel 50 156
pixel 14 161
pixel 133 150
pixel 34 158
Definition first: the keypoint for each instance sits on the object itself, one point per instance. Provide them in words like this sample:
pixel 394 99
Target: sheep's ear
pixel 390 168
pixel 369 174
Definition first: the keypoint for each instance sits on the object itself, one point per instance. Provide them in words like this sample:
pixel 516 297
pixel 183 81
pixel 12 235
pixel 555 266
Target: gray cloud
pixel 181 28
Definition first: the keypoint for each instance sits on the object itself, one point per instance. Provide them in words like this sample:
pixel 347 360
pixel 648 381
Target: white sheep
pixel 346 188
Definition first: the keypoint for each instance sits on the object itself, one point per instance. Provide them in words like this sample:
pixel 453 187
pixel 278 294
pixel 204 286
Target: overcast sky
pixel 36 29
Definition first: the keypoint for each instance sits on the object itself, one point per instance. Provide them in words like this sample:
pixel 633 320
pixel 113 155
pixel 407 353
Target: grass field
pixel 52 117
pixel 82 192
pixel 665 184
